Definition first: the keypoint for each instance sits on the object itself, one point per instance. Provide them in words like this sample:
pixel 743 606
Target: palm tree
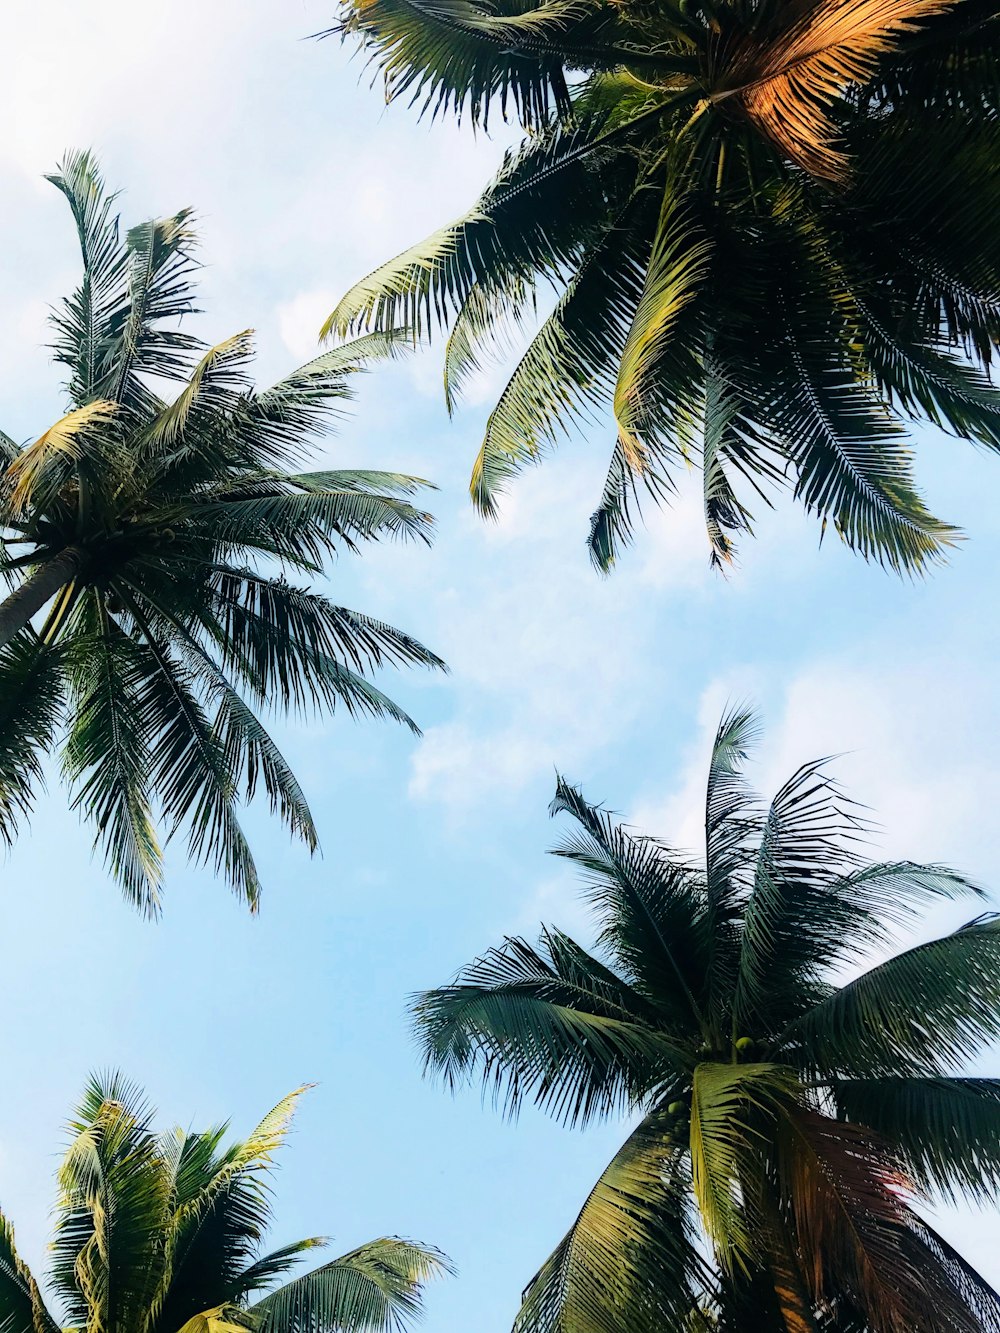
pixel 160 536
pixel 768 231
pixel 792 1111
pixel 163 1233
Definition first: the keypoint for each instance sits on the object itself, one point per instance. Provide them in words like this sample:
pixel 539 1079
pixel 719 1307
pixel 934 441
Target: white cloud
pixel 546 657
pixel 453 765
pixel 301 318
pixel 906 741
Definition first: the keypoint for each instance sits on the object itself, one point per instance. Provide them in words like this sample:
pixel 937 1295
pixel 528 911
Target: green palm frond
pixel 89 322
pixel 677 264
pixel 947 1130
pixel 216 384
pixel 869 1027
pixel 280 419
pixel 652 904
pixel 106 758
pixel 263 1272
pixel 552 1023
pixel 188 768
pixel 31 710
pixel 22 1309
pixel 159 288
pixel 568 367
pixel 452 54
pixel 791 923
pixel 377 1287
pixel 112 1208
pixel 725 1102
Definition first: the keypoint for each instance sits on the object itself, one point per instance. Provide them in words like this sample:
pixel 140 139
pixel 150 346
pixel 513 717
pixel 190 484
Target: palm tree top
pixel 793 1102
pixel 174 543
pixel 767 227
pixel 158 1232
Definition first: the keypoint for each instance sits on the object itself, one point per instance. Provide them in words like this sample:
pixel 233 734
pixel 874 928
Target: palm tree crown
pixel 768 227
pixel 793 1111
pixel 163 1233
pixel 162 533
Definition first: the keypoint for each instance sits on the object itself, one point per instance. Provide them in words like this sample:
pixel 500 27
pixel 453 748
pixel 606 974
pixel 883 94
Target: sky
pixel 433 847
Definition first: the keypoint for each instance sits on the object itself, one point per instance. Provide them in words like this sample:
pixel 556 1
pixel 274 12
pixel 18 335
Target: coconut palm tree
pixel 767 228
pixel 160 536
pixel 792 1106
pixel 163 1233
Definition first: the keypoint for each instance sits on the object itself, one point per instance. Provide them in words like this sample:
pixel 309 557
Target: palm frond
pixel 263 1272
pixel 678 262
pixel 871 1028
pixel 725 1102
pixel 106 757
pixel 188 769
pixel 214 387
pixel 32 685
pixel 946 1130
pixel 89 323
pixel 630 1260
pixel 35 477
pixel 377 1287
pixel 788 76
pixel 551 1023
pixel 791 923
pixel 651 902
pixel 112 1209
pixel 275 422
pixel 857 1232
pixel 453 54
pixel 159 288
pixel 22 1309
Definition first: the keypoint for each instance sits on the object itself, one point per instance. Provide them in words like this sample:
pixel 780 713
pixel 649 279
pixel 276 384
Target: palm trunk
pixel 37 589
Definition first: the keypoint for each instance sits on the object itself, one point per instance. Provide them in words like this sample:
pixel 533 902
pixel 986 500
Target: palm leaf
pixel 724 1140
pixel 378 1287
pixel 629 1261
pixel 651 903
pixel 89 323
pixel 551 1023
pixel 32 676
pixel 677 264
pixel 871 1028
pixel 106 757
pixel 36 475
pixel 947 1130
pixel 108 1252
pixel 787 81
pixel 22 1309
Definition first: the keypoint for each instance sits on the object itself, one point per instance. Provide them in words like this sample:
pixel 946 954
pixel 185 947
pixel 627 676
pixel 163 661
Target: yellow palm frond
pixel 677 264
pixel 65 441
pixel 219 374
pixel 786 84
pixel 727 1101
pixel 220 1319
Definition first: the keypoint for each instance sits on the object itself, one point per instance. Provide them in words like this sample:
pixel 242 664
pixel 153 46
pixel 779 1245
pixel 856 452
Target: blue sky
pixel 433 848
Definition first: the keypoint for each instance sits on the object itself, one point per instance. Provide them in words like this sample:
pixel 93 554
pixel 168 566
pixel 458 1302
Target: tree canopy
pixel 177 544
pixel 163 1232
pixel 763 232
pixel 793 1106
